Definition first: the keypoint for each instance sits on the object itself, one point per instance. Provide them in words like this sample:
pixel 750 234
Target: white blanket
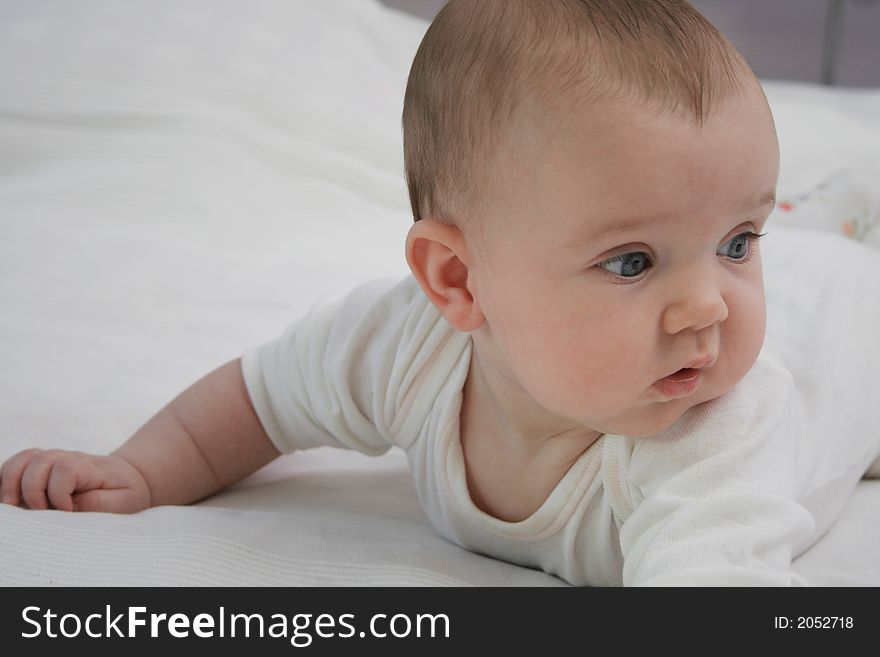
pixel 162 167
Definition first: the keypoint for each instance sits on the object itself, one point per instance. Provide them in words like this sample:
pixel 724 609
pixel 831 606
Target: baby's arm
pixel 205 439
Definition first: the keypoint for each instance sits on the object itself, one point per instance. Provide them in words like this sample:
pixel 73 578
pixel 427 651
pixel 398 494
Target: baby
pixel 576 368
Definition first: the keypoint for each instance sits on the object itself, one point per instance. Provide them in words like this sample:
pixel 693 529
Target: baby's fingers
pixel 69 474
pixel 10 476
pixel 35 478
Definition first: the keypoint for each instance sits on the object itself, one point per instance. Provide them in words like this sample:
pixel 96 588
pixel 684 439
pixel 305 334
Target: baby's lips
pixel 684 374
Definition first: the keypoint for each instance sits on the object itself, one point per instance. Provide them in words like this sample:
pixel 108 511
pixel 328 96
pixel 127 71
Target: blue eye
pixel 740 246
pixel 627 265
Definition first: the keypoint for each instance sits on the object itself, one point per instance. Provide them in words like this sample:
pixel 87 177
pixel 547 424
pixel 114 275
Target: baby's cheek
pixel 594 369
pixel 576 358
pixel 746 353
pixel 748 320
pixel 742 338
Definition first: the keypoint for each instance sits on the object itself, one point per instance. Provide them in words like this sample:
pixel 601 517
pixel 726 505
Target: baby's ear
pixel 438 257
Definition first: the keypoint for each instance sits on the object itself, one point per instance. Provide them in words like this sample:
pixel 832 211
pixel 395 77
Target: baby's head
pixel 584 176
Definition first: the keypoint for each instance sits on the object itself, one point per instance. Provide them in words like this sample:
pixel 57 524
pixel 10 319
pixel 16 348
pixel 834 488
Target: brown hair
pixel 483 63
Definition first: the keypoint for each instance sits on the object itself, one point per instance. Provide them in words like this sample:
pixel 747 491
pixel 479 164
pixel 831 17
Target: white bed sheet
pixel 179 181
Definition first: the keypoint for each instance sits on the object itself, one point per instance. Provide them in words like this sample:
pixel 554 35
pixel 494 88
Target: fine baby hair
pixel 488 72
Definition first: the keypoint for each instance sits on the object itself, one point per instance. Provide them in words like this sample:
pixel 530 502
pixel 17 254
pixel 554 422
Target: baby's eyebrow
pixel 768 199
pixel 637 223
pixel 621 226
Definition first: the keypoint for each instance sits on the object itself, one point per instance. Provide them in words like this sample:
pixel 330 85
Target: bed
pixel 179 181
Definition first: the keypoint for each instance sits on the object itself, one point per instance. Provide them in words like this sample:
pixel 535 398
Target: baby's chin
pixel 658 417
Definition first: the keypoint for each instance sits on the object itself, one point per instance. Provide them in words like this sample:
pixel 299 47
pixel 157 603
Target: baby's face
pixel 621 254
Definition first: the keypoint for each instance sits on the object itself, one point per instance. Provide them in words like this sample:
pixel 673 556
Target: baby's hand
pixel 73 481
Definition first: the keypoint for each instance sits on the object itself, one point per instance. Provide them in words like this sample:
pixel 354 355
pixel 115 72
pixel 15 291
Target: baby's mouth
pixel 684 374
pixel 679 384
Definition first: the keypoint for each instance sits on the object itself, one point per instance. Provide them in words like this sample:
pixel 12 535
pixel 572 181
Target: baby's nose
pixel 700 307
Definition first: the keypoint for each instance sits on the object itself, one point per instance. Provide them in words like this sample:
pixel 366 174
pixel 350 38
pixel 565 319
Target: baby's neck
pixel 512 468
pixel 527 431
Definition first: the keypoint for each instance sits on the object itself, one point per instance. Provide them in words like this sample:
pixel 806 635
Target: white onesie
pixel 729 495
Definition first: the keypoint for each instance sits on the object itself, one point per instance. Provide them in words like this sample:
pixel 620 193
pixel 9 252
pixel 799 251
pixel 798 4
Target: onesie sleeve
pixel 714 497
pixel 333 377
